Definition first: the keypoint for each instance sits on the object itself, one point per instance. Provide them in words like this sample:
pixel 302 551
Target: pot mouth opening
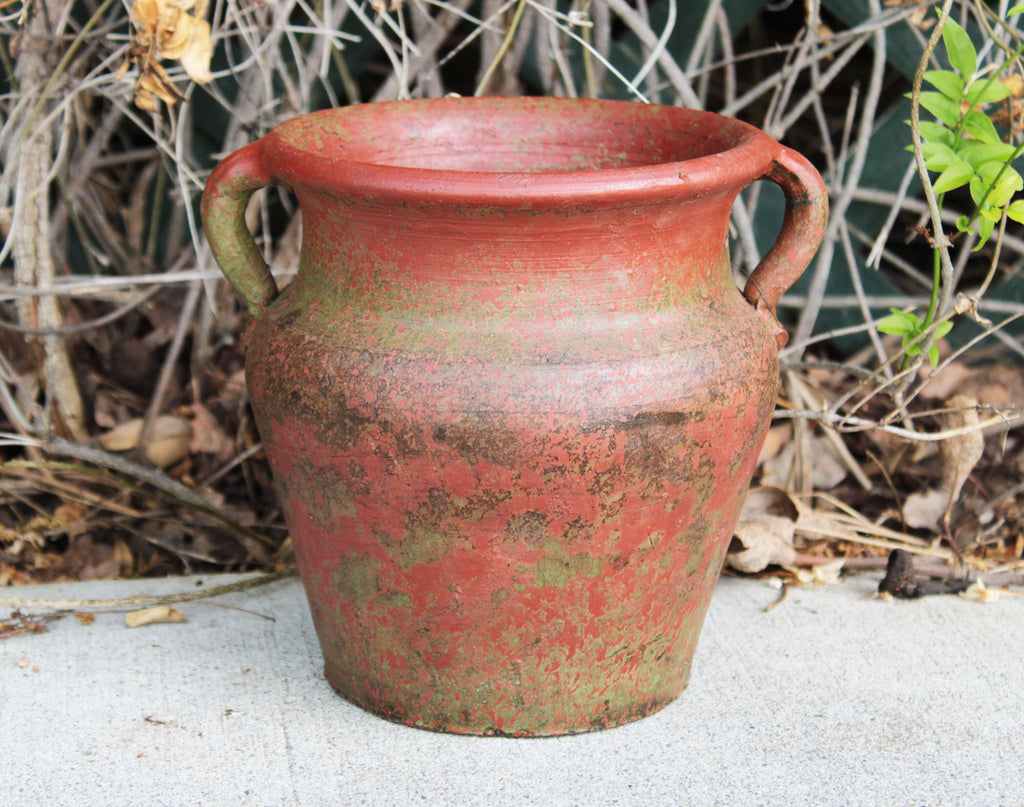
pixel 529 145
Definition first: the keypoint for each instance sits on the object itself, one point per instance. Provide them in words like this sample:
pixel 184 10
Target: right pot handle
pixel 235 179
pixel 798 241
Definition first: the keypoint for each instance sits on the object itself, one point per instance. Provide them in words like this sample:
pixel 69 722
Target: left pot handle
pixel 225 197
pixel 802 231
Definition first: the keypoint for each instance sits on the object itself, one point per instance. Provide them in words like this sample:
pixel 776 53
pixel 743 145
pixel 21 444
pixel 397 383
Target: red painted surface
pixel 513 399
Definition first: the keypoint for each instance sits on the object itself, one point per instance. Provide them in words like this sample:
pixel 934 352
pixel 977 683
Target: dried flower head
pixel 167 29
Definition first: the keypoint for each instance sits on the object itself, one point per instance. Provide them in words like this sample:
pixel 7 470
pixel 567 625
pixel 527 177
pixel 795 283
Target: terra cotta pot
pixel 513 399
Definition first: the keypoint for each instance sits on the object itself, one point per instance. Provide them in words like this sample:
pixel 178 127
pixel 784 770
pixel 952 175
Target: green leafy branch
pixel 910 326
pixel 964 148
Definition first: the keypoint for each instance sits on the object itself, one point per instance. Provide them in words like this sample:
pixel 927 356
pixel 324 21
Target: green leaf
pixel 990 171
pixel 978 124
pixel 979 154
pixel 963 224
pixel 942 108
pixel 985 228
pixel 1004 189
pixel 984 92
pixel 939 163
pixel 959 48
pixel 1011 177
pixel 936 133
pixel 998 172
pixel 1016 210
pixel 1017 9
pixel 947 82
pixel 900 323
pixel 943 328
pixel 957 175
pixel 938 157
pixel 979 188
pixel 933 355
pixel 892 325
pixel 993 214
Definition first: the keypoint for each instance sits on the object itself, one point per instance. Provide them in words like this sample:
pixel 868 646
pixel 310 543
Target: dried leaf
pixel 820 574
pixel 168 444
pixel 764 533
pixel 122 437
pixel 1015 84
pixel 827 469
pixel 208 437
pixel 947 381
pixel 778 437
pixel 155 83
pixel 771 500
pixel 979 591
pixel 148 616
pixel 923 510
pixel 168 29
pixel 999 386
pixel 815 523
pixel 958 456
pixel 196 57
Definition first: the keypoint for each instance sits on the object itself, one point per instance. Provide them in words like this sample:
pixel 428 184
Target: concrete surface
pixel 827 699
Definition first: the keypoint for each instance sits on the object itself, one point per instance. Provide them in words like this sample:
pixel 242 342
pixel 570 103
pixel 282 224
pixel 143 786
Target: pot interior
pixel 514 135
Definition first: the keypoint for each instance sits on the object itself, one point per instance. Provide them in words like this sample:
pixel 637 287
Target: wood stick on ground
pixel 143 601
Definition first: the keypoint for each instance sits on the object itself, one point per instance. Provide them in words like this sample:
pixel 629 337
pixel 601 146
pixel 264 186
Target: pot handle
pixel 225 197
pixel 802 231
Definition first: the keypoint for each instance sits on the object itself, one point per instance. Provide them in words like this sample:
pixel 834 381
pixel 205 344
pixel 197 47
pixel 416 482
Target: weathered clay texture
pixel 513 399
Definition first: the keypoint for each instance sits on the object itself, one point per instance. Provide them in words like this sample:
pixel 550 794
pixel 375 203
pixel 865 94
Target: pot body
pixel 512 409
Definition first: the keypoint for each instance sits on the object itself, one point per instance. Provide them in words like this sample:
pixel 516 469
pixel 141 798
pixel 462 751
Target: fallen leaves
pixel 192 429
pixel 949 497
pixel 771 525
pixel 66 518
pixel 167 29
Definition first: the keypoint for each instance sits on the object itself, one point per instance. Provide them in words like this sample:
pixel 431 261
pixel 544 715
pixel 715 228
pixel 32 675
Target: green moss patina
pixel 557 566
pixel 396 599
pixel 424 543
pixel 355 579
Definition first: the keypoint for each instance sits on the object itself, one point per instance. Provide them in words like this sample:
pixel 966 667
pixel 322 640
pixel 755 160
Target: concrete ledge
pixel 828 699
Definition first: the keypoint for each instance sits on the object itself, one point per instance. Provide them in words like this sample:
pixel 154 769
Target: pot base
pixel 520 727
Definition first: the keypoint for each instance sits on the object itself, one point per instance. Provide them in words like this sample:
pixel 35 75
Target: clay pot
pixel 513 398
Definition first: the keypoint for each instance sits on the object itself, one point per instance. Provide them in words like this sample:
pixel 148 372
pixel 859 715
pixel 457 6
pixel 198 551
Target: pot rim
pixel 746 156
